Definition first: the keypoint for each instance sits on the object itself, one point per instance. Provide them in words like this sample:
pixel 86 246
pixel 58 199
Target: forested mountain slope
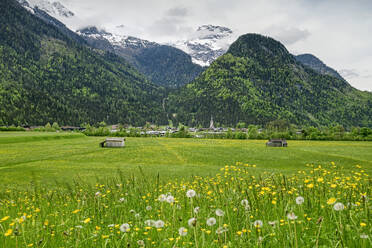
pixel 258 81
pixel 47 76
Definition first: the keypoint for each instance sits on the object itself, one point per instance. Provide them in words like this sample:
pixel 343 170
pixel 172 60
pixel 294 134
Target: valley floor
pixel 61 157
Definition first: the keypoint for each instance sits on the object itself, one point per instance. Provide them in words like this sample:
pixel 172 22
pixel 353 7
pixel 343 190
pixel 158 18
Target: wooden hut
pixel 113 142
pixel 277 143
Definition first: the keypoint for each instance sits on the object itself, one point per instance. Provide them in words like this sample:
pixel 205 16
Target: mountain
pixel 45 12
pixel 46 76
pixel 317 65
pixel 258 81
pixel 206 44
pixel 163 65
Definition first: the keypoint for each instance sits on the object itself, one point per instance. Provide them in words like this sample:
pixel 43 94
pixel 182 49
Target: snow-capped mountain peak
pixel 55 9
pixel 207 43
pixel 115 39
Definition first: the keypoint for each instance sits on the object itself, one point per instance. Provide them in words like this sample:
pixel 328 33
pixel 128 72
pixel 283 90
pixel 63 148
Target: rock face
pixel 317 65
pixel 207 44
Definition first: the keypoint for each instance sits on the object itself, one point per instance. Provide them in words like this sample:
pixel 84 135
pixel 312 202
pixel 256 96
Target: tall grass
pixel 322 207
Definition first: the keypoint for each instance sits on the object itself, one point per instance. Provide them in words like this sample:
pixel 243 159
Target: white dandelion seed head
pixel 221 230
pixel 299 200
pixel 150 223
pixel 196 210
pixel 162 198
pixel 141 242
pixel 121 200
pixel 124 227
pixel 159 224
pixel 258 223
pixel 182 231
pixel 170 199
pixel 137 215
pixel 148 208
pixel 111 225
pixel 244 203
pixel 364 236
pixel 220 212
pixel 211 221
pixel 191 193
pixel 291 216
pixel 192 222
pixel 132 211
pixel 97 193
pixel 272 223
pixel 338 206
pixel 79 226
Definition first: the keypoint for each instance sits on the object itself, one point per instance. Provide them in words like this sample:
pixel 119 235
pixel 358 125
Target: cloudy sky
pixel 339 32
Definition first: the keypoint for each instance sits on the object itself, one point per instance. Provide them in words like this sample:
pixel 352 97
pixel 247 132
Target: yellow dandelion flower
pixel 310 185
pixel 331 201
pixel 320 179
pixel 76 211
pixel 362 224
pixel 8 233
pixel 333 185
pixel 5 218
pixel 87 220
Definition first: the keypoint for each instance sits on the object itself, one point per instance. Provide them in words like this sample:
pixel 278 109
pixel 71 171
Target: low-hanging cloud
pixel 288 35
pixel 178 12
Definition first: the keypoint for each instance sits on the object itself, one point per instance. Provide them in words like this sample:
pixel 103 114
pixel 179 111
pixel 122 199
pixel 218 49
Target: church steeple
pixel 211 126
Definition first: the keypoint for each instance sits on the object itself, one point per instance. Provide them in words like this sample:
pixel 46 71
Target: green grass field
pixel 211 193
pixel 50 157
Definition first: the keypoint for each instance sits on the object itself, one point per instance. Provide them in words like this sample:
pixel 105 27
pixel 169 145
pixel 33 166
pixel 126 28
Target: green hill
pixel 258 81
pixel 47 76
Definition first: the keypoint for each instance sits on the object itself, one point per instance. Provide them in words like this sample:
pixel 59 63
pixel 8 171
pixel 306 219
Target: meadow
pixel 63 190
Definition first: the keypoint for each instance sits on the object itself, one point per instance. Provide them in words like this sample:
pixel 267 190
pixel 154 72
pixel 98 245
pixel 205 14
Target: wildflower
pixel 8 233
pixel 125 227
pixel 98 193
pixel 87 220
pixel 159 224
pixel 333 185
pixel 111 225
pixel 121 200
pixel 258 223
pixel 192 222
pixel 170 199
pixel 272 223
pixel 211 221
pixel 220 212
pixel 364 236
pixel 338 206
pixel 182 231
pixel 362 224
pixel 191 193
pixel 148 208
pixel 150 223
pixel 320 179
pixel 331 201
pixel 196 210
pixel 291 216
pixel 244 202
pixel 141 242
pixel 76 211
pixel 310 185
pixel 105 236
pixel 221 230
pixel 299 200
pixel 162 198
pixel 4 218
